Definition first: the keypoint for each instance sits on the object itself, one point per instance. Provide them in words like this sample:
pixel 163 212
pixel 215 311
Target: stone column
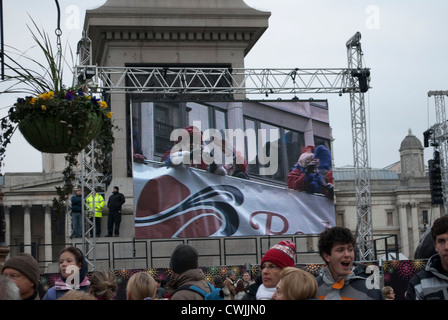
pixel 47 227
pixel 402 216
pixel 235 115
pixel 68 225
pixel 7 213
pixel 415 227
pixel 437 210
pixel 4 250
pixel 27 228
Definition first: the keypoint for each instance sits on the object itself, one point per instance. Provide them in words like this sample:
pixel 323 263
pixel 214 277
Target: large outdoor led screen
pixel 239 168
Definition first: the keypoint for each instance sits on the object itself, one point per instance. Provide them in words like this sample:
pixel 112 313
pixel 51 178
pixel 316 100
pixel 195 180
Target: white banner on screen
pixel 186 202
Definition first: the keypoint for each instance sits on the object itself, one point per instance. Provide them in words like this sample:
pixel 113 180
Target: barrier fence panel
pixel 156 253
pixel 209 249
pixel 131 254
pixel 168 246
pixel 242 250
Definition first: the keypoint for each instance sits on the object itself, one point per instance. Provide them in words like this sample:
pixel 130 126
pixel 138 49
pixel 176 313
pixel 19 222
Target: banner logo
pixel 186 218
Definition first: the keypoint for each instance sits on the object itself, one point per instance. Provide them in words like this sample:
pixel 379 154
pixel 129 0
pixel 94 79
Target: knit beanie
pixel 184 258
pixel 282 254
pixel 25 264
pixel 324 156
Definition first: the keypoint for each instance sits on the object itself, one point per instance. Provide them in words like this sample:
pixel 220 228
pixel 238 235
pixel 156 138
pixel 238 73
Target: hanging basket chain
pixel 58 32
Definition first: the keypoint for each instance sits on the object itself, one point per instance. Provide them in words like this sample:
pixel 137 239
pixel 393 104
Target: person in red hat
pixel 279 256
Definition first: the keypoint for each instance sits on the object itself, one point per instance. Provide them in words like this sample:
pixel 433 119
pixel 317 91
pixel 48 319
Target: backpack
pixel 214 294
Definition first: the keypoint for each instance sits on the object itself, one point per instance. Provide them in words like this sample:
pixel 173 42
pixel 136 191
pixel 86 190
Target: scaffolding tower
pixel 359 79
pixel 89 179
pixel 173 82
pixel 438 134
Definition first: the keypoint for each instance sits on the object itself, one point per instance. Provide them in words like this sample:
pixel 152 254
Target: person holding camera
pixel 306 175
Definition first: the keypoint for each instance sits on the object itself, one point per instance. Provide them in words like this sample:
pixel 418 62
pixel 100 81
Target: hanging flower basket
pixel 60 123
pixel 54 134
pixel 52 117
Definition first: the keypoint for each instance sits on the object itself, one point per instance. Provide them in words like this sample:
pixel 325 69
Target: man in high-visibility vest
pixel 95 199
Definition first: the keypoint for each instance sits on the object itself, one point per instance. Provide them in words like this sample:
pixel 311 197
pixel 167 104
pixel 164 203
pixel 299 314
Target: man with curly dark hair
pixel 341 279
pixel 432 282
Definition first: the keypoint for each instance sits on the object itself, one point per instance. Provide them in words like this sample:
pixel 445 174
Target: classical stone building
pixel 400 195
pixel 204 33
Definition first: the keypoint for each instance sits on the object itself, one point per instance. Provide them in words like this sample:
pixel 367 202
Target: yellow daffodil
pixel 43 107
pixel 103 104
pixel 109 115
pixel 33 100
pixel 46 95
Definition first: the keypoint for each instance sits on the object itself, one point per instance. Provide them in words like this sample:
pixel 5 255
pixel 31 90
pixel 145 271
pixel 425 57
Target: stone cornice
pixel 176 8
pixel 176 35
pixel 33 186
pixel 175 14
pixel 147 37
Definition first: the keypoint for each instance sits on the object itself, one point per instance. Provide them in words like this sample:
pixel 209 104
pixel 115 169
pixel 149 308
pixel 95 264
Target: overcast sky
pixel 403 43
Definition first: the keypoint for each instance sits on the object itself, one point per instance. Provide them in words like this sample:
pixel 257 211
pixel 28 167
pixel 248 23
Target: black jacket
pixel 251 291
pixel 116 200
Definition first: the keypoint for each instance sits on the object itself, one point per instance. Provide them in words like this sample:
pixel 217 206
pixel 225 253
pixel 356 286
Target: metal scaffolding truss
pixel 89 180
pixel 364 228
pixel 231 82
pixel 175 80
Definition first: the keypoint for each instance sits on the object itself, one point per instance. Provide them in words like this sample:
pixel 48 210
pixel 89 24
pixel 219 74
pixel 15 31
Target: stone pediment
pixel 30 186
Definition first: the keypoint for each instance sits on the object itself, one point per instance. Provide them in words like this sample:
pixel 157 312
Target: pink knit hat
pixel 282 254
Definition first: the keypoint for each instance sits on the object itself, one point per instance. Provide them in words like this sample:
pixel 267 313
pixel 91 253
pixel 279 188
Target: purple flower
pixel 70 96
pixel 94 101
pixel 80 93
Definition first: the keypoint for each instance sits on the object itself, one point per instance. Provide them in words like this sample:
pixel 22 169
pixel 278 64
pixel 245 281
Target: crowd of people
pixel 340 279
pixel 312 173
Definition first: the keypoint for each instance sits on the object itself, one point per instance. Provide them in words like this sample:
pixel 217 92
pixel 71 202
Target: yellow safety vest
pixel 99 204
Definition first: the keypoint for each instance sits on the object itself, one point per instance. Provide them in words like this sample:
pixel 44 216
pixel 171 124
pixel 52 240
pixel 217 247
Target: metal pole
pixel 2 40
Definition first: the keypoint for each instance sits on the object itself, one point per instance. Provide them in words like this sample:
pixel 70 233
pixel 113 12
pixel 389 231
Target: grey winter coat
pixel 430 283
